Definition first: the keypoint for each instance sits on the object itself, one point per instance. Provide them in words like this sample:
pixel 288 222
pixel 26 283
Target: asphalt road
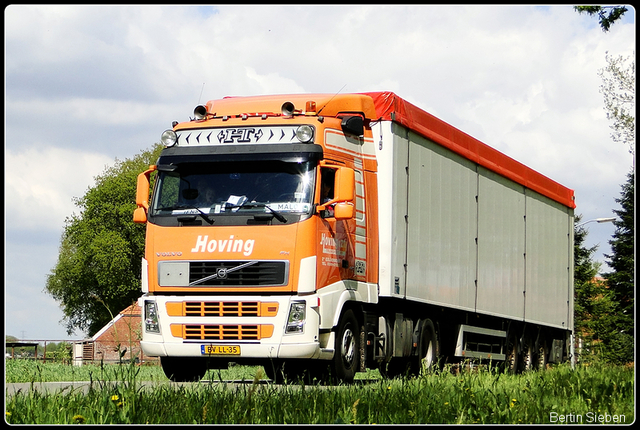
pixel 83 386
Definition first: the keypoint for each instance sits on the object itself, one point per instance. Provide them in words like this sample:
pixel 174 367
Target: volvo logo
pixel 221 272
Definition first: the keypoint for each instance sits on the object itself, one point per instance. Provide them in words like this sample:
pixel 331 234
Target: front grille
pixel 222 332
pixel 237 273
pixel 221 309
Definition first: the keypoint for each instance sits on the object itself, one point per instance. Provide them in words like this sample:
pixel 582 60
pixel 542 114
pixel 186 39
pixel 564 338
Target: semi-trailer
pixel 321 235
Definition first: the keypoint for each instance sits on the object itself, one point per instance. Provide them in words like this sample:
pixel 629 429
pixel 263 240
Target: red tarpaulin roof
pixel 393 108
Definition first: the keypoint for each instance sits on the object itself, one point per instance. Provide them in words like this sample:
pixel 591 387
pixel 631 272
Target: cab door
pixel 336 226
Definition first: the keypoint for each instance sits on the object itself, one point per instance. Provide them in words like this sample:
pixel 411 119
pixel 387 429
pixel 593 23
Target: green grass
pixel 482 397
pixel 31 371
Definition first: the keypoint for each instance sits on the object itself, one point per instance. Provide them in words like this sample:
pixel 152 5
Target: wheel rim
pixel 527 355
pixel 429 351
pixel 541 363
pixel 348 347
pixel 428 359
pixel 512 355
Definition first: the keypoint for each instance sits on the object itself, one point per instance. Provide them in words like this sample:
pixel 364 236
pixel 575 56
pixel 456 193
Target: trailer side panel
pixel 442 225
pixel 465 237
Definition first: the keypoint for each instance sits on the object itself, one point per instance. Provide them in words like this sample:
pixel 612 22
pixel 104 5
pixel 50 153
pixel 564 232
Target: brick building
pixel 117 341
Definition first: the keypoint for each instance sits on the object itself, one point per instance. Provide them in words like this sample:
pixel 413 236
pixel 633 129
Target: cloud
pixel 87 84
pixel 273 83
pixel 40 184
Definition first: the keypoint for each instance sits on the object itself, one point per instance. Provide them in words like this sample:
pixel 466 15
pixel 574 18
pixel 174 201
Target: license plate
pixel 220 349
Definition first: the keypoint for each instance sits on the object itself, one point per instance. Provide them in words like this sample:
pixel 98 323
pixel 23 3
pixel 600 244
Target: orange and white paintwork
pixel 329 261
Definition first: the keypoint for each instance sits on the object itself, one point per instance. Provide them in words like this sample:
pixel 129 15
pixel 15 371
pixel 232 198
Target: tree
pixel 615 296
pixel 621 279
pixel 592 301
pixel 585 268
pixel 605 19
pixel 98 269
pixel 618 89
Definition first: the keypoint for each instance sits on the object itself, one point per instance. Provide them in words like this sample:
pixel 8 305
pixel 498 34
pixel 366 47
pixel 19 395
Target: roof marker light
pixel 310 108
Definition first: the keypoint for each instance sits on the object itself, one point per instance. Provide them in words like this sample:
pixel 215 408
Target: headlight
pixel 169 138
pixel 151 317
pixel 297 315
pixel 304 133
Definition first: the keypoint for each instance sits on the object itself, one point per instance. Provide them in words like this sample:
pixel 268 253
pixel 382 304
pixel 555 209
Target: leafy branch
pixel 607 15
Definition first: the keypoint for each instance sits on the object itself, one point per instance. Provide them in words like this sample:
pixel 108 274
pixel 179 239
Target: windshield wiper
pixel 275 213
pixel 202 214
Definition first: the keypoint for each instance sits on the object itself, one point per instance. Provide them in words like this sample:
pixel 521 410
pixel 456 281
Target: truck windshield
pixel 234 188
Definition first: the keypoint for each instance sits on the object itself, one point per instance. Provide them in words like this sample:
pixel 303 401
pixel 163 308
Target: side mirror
pixel 142 196
pixel 345 185
pixel 343 196
pixel 344 211
pixel 140 215
pixel 353 125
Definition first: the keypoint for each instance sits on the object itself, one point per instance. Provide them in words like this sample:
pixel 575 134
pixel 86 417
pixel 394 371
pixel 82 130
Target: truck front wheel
pixel 183 369
pixel 346 357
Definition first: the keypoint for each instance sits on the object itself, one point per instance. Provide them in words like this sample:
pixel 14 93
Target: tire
pixel 428 347
pixel 397 367
pixel 511 361
pixel 542 354
pixel 273 370
pixel 310 372
pixel 346 358
pixel 183 369
pixel 427 355
pixel 528 354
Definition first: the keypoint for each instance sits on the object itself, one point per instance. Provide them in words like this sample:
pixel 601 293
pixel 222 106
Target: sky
pixel 86 85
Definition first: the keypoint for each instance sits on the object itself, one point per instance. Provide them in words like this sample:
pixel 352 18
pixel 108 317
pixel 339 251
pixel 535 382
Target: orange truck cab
pixel 279 234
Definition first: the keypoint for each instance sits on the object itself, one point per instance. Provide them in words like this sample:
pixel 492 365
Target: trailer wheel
pixel 183 369
pixel 527 353
pixel 542 354
pixel 511 360
pixel 346 357
pixel 428 346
